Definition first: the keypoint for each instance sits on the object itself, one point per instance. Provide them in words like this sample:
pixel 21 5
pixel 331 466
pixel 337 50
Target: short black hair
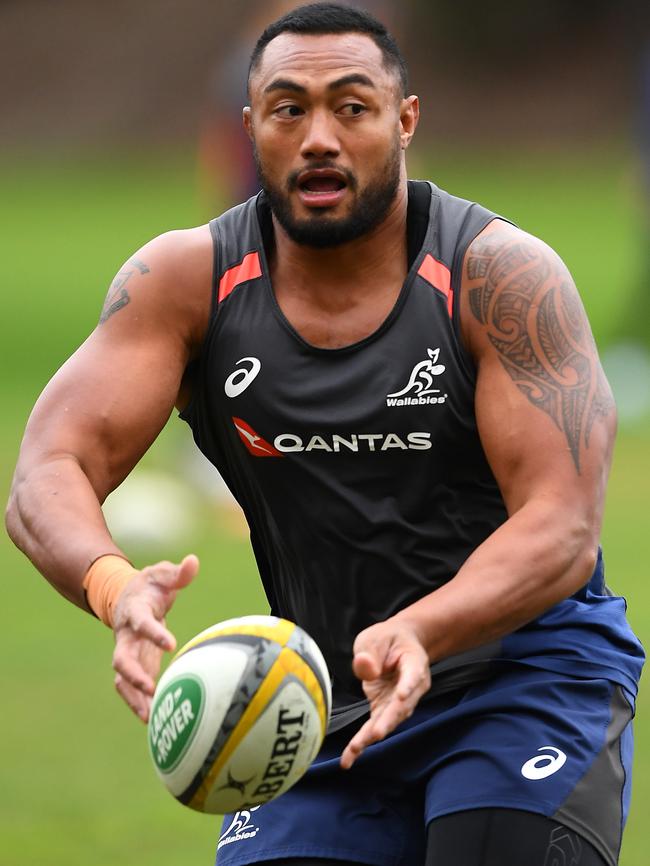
pixel 322 18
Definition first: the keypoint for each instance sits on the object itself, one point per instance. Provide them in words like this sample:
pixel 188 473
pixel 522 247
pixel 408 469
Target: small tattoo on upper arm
pixel 140 265
pixel 536 322
pixel 118 297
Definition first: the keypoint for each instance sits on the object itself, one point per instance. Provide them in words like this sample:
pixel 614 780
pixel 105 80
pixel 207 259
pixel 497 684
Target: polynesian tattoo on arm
pixel 118 296
pixel 535 320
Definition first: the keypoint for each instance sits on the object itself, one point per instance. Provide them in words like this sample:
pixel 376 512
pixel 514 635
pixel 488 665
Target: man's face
pixel 329 129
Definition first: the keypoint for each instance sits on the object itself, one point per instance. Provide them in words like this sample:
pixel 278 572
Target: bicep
pixel 543 406
pixel 110 400
pixel 105 406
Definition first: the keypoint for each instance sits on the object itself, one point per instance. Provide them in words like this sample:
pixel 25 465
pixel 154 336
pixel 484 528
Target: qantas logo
pixel 334 443
pixel 419 390
pixel 255 444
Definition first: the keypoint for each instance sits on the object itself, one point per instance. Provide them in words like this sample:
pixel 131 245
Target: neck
pixel 332 274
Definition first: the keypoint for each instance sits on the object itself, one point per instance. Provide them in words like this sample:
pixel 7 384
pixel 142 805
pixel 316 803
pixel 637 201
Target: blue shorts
pixel 524 739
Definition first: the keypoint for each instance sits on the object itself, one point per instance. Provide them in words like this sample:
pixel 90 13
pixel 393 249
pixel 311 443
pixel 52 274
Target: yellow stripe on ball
pixel 288 663
pixel 279 633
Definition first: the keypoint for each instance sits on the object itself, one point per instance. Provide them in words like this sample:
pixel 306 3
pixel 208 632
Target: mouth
pixel 321 187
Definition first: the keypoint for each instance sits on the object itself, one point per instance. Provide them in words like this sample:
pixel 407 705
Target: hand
pixel 394 669
pixel 140 633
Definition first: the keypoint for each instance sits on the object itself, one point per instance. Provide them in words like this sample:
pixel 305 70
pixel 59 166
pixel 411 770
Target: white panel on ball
pixel 240 714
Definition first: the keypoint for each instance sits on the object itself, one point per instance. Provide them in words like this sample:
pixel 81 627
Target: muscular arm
pixel 547 421
pixel 105 406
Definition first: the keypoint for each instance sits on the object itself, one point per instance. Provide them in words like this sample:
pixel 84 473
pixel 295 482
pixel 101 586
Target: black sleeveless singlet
pixel 359 469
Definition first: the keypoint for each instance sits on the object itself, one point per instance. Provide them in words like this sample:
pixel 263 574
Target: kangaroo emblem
pixel 421 379
pixel 240 823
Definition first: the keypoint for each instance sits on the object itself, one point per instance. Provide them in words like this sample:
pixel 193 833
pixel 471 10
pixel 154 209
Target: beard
pixel 321 230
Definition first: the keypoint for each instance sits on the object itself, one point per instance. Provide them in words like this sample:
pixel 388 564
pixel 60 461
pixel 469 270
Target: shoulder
pixel 167 283
pixel 182 256
pixel 512 279
pixel 499 237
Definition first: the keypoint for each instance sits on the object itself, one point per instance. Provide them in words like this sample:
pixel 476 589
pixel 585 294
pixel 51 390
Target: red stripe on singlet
pixel 248 269
pixel 439 276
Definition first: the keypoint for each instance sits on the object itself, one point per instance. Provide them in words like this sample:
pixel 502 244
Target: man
pixel 403 393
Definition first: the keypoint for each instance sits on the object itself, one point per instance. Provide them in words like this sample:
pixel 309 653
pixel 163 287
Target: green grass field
pixel 77 783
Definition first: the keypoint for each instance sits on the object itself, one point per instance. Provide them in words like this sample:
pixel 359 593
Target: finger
pixel 170 577
pixel 373 731
pixel 362 738
pixel 140 619
pixel 392 715
pixel 137 702
pixel 382 722
pixel 414 678
pixel 188 570
pixel 366 666
pixel 165 579
pixel 127 664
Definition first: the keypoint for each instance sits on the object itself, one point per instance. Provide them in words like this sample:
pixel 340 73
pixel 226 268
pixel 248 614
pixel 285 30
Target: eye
pixel 289 111
pixel 352 109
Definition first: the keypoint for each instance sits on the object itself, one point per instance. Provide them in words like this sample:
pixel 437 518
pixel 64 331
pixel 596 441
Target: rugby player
pixel 402 391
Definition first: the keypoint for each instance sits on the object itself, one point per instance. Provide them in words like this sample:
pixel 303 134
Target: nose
pixel 320 136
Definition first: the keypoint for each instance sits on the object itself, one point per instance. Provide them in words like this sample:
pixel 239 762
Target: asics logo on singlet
pixel 241 827
pixel 419 390
pixel 334 443
pixel 542 766
pixel 238 381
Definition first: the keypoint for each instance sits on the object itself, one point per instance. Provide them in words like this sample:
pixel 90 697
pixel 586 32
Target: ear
pixel 248 121
pixel 409 114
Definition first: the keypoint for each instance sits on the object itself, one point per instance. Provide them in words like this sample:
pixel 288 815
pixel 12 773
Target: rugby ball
pixel 239 714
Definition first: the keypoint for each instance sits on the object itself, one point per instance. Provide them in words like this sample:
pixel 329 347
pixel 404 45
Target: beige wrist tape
pixel 104 582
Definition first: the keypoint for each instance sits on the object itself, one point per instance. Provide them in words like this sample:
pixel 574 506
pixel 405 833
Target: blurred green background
pixel 99 155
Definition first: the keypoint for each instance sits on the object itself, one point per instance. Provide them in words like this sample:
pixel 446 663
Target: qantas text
pixel 288 443
pixel 417 441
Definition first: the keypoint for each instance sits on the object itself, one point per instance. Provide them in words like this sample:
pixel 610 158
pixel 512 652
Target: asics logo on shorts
pixel 238 381
pixel 545 765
